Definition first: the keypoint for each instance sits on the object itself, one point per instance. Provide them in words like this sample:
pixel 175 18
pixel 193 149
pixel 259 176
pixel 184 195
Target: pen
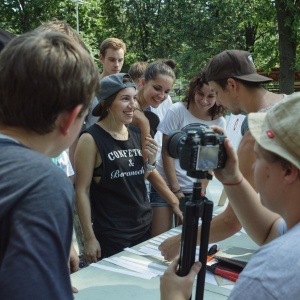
pixel 222 272
pixel 211 253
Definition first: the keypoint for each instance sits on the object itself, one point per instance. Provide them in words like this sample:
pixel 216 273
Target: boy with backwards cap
pixel 271 218
pixel 239 89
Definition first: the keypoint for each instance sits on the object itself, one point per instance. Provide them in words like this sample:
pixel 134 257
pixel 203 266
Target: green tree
pixel 288 25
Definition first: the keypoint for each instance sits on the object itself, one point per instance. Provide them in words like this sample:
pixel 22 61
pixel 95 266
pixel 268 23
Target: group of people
pixel 54 98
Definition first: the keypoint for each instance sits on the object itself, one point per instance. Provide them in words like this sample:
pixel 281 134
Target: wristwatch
pixel 150 167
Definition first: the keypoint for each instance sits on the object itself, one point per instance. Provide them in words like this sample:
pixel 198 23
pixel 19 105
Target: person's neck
pixel 141 100
pixel 259 99
pixel 42 143
pixel 117 131
pixel 102 75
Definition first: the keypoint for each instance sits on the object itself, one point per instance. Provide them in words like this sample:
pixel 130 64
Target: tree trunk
pixel 287 46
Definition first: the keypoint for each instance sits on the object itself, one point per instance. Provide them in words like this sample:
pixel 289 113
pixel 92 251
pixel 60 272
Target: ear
pixel 232 83
pixel 67 119
pixel 101 58
pixel 291 174
pixel 142 81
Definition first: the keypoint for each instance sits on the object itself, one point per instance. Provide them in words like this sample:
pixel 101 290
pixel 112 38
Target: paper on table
pixel 151 252
pixel 135 274
pixel 136 267
pixel 145 263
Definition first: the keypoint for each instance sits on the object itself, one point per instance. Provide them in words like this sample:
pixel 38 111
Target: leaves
pixel 189 31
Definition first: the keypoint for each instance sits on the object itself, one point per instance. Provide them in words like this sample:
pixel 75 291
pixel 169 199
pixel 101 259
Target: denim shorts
pixel 156 200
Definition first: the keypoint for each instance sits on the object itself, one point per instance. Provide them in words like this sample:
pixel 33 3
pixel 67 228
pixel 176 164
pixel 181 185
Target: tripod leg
pixel 188 240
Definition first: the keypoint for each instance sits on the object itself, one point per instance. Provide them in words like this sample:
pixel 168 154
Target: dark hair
pixel 43 74
pixel 105 104
pixel 195 85
pixel 160 67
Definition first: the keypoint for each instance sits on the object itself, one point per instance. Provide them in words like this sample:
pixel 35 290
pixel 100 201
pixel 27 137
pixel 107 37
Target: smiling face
pixel 205 98
pixel 123 106
pixel 112 61
pixel 157 90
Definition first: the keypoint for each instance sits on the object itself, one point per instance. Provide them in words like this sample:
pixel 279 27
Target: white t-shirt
pixel 63 162
pixel 161 111
pixel 177 118
pixel 233 129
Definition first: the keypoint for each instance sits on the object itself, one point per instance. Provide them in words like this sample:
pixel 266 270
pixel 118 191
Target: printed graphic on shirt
pixel 125 160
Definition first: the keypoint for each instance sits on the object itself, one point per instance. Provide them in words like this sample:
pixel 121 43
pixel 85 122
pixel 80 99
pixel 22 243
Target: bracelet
pixel 177 191
pixel 237 183
pixel 148 166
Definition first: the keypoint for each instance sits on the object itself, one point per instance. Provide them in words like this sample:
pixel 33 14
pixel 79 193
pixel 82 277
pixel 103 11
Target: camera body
pixel 198 147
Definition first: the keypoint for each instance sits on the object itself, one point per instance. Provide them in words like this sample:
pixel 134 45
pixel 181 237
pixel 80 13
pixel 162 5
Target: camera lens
pixel 173 143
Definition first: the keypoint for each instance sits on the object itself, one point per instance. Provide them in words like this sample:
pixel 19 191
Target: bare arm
pixel 140 120
pixel 170 171
pixel 85 159
pixel 259 222
pixel 227 223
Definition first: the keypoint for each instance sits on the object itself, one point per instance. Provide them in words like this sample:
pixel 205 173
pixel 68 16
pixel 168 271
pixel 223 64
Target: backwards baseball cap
pixel 111 85
pixel 233 64
pixel 278 129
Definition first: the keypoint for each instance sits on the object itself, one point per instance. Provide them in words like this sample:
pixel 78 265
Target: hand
pixel 73 264
pixel 230 173
pixel 173 287
pixel 73 260
pixel 151 149
pixel 178 212
pixel 170 247
pixel 92 251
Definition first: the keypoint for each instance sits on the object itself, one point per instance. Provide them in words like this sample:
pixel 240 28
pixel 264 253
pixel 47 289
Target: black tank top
pixel 119 202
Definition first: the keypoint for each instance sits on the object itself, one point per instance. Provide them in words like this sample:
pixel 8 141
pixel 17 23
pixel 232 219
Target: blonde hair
pixel 112 43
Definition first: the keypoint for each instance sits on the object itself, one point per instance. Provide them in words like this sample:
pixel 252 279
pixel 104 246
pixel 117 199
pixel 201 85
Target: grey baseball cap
pixel 111 85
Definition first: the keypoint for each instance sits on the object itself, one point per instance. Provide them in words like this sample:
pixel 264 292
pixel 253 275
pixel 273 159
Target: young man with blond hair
pixel 112 52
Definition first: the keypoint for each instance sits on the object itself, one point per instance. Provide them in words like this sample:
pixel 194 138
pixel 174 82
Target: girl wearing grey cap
pixel 110 174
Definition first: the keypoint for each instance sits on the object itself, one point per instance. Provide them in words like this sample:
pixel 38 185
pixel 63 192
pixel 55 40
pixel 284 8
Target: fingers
pixel 217 129
pixel 173 266
pixel 196 267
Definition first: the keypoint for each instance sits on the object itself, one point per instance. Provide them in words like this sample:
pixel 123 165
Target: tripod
pixel 197 207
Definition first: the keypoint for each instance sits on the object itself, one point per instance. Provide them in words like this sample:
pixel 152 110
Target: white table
pixel 94 283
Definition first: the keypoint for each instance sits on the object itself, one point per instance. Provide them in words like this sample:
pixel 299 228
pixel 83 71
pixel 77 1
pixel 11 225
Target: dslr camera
pixel 198 147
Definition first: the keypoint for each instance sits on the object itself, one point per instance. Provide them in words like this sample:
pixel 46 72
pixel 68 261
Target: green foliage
pixel 189 31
